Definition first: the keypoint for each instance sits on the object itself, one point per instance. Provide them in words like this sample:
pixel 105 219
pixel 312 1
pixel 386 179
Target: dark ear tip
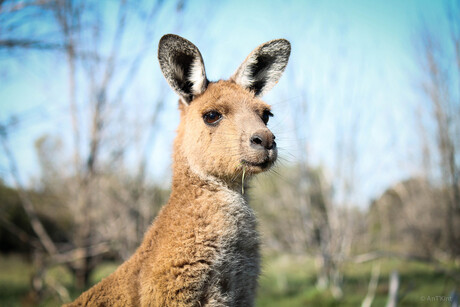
pixel 283 44
pixel 169 37
pixel 283 41
pixel 173 39
pixel 281 47
pixel 166 40
pixel 173 42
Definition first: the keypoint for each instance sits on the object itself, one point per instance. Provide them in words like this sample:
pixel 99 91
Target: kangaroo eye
pixel 266 116
pixel 212 117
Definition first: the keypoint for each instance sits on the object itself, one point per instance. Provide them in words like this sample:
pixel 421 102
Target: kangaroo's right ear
pixel 263 67
pixel 182 66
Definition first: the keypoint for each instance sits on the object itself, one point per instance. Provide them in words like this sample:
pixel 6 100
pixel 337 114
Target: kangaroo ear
pixel 263 67
pixel 182 66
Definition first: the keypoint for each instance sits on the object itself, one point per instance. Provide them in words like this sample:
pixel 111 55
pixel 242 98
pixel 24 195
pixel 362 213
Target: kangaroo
pixel 203 247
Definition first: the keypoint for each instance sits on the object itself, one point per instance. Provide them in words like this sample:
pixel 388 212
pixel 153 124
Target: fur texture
pixel 203 247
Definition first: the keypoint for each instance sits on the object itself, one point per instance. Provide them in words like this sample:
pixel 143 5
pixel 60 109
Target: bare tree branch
pixel 28 44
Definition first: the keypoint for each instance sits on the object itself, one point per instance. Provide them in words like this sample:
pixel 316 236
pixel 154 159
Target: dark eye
pixel 266 116
pixel 212 117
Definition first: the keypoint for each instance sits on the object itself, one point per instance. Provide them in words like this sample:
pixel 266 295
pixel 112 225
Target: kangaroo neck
pixel 185 177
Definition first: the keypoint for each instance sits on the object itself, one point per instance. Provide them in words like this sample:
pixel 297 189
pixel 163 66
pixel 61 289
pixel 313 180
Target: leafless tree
pixel 97 84
pixel 110 205
pixel 439 59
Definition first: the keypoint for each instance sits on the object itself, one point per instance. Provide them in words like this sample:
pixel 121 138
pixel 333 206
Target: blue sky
pixel 353 62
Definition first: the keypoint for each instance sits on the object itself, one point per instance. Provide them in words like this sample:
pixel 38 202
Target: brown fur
pixel 203 247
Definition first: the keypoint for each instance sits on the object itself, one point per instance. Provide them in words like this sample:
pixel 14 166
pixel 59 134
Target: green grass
pixel 14 280
pixel 290 281
pixel 285 281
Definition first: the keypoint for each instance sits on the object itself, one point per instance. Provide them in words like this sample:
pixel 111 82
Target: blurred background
pixel 363 207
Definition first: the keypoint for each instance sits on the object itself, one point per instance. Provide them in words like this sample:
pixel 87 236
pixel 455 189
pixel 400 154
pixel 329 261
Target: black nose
pixel 263 140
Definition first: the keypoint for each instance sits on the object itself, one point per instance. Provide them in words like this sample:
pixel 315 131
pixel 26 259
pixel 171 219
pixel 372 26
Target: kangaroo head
pixel 223 130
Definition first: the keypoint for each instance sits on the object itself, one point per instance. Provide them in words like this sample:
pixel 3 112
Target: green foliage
pixel 290 281
pixel 102 271
pixel 286 281
pixel 15 275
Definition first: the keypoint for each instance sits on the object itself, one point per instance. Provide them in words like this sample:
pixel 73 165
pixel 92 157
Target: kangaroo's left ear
pixel 263 67
pixel 182 66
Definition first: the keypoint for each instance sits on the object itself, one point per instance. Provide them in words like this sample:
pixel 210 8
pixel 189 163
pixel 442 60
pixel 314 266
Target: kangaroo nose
pixel 263 140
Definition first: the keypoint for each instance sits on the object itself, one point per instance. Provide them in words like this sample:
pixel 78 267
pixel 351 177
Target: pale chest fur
pixel 241 234
pixel 237 261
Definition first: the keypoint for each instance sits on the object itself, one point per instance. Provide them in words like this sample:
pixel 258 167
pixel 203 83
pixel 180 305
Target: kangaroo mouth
pixel 256 161
pixel 263 165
